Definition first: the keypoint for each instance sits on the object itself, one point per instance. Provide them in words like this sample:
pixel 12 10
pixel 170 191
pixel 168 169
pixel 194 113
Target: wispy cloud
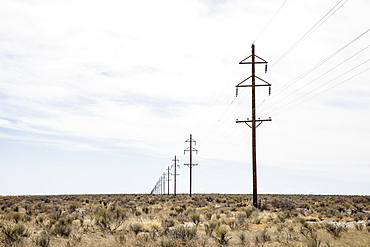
pixel 141 75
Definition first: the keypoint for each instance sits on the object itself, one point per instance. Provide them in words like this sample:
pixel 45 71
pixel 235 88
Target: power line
pixel 307 84
pixel 327 71
pixel 270 21
pixel 324 91
pixel 278 91
pixel 221 120
pixel 322 86
pixel 214 103
pixel 309 32
pixel 332 11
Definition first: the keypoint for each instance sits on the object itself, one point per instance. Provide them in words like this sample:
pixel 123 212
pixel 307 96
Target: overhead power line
pixel 282 89
pixel 270 21
pixel 278 91
pixel 317 88
pixel 331 12
pixel 324 91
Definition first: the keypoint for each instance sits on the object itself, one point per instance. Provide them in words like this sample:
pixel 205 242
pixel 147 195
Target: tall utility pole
pixel 168 180
pixel 175 175
pixel 190 149
pixel 255 123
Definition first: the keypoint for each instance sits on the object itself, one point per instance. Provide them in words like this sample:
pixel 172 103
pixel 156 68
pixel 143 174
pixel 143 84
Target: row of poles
pixel 252 60
pixel 160 186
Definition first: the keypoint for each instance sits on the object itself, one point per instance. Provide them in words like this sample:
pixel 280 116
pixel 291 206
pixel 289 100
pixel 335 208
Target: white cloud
pixel 142 75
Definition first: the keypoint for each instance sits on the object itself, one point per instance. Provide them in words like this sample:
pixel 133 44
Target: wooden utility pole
pixel 191 149
pixel 168 180
pixel 255 123
pixel 175 175
pixel 164 183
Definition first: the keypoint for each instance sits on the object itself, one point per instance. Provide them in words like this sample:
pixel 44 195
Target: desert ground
pixel 200 220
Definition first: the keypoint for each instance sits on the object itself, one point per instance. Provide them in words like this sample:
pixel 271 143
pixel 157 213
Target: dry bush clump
pixel 202 220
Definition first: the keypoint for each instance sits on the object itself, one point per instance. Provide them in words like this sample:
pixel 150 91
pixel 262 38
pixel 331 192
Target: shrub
pixel 243 238
pixel 183 233
pixel 359 226
pixel 283 204
pixel 43 239
pixel 209 228
pixel 14 234
pixel 111 219
pixel 73 206
pixel 249 211
pixel 146 210
pixel 136 228
pixel 16 217
pixel 167 223
pixel 311 236
pixel 179 210
pixel 56 214
pixel 195 218
pixel 165 242
pixel 263 236
pixel 62 229
pixel 335 229
pixel 222 235
pixel 208 215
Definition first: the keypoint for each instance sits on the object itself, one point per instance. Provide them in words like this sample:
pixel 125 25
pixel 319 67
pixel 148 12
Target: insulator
pixel 269 91
pixel 236 92
pixel 266 68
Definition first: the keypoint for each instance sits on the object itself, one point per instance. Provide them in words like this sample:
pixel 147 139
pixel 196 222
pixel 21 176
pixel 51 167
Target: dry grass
pixel 203 220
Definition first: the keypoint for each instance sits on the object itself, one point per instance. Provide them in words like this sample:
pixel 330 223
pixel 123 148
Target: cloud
pixel 140 76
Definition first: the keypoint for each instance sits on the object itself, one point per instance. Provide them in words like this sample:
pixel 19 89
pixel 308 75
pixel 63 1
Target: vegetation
pixel 202 220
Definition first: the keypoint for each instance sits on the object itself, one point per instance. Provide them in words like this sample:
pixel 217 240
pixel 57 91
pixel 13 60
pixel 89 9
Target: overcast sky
pixel 99 96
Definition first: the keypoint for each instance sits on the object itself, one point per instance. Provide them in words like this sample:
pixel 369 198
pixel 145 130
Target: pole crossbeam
pixel 254 122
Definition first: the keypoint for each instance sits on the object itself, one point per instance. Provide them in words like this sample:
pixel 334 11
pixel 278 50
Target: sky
pixel 100 96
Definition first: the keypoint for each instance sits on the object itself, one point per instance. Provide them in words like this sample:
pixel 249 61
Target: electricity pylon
pixel 190 149
pixel 255 123
pixel 175 174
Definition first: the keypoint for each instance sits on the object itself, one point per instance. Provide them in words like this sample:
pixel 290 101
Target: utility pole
pixel 175 175
pixel 190 149
pixel 164 183
pixel 168 180
pixel 160 185
pixel 255 123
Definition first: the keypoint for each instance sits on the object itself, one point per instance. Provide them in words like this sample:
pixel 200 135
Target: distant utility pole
pixel 190 149
pixel 160 185
pixel 168 180
pixel 254 122
pixel 164 183
pixel 175 175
